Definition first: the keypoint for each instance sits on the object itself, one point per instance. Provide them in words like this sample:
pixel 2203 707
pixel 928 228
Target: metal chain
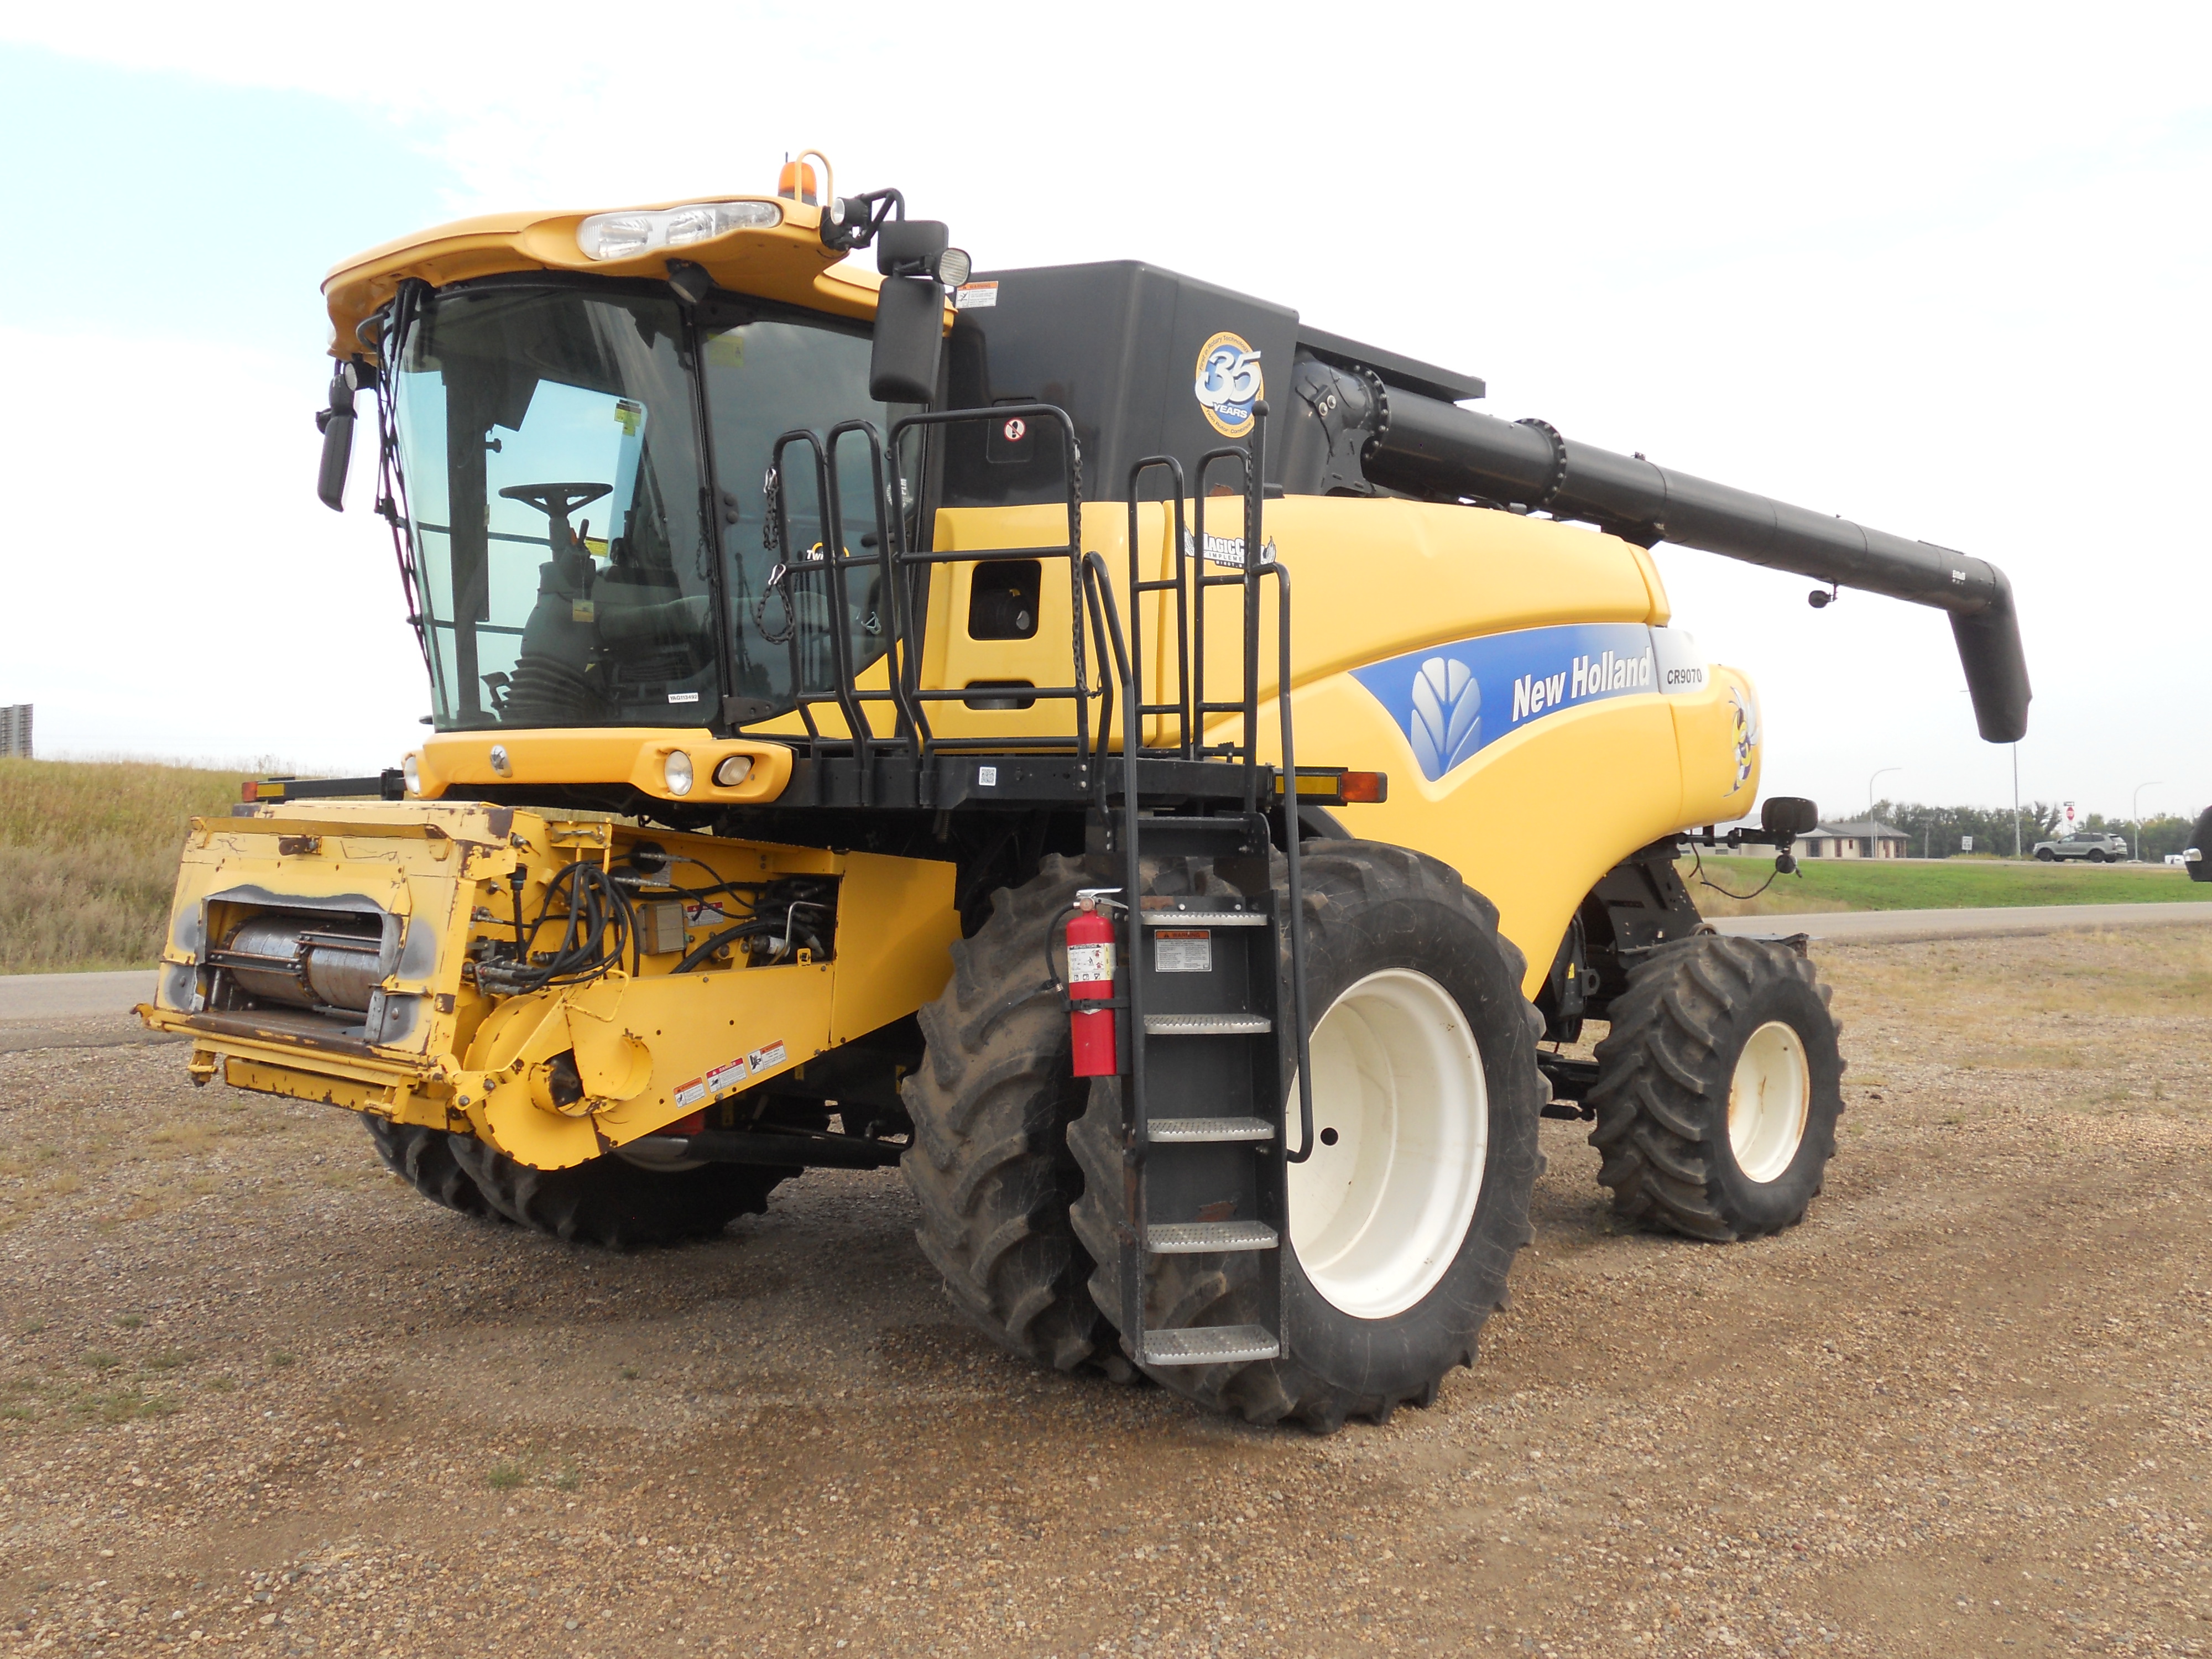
pixel 775 580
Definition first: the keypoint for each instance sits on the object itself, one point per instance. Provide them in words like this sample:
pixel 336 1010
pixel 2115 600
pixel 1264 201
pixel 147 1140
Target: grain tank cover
pixel 1125 348
pixel 1131 352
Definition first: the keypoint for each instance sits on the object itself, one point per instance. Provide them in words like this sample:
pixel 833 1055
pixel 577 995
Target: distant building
pixel 1863 838
pixel 15 731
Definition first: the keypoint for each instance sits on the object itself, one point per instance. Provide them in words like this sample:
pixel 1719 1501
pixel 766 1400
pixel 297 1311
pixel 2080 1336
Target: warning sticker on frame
pixel 764 1059
pixel 974 296
pixel 1183 950
pixel 720 1080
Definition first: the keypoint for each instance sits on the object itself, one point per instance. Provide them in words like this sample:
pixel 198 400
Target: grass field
pixel 1943 884
pixel 88 857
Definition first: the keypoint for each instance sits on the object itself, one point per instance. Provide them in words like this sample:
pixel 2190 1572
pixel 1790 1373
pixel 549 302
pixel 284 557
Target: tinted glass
pixel 765 378
pixel 549 444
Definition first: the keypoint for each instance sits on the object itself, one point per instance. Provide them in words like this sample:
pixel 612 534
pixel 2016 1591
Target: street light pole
pixel 2016 800
pixel 2134 811
pixel 1870 783
pixel 1873 841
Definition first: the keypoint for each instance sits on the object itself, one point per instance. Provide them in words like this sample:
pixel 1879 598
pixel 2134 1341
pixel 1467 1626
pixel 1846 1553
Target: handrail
pixel 1136 1107
pixel 1080 692
pixel 1186 733
pixel 1290 838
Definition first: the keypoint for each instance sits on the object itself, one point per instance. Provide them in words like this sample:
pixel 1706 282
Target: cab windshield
pixel 583 559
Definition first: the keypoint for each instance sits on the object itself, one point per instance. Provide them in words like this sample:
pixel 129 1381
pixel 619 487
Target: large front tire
pixel 1424 1061
pixel 1718 1089
pixel 990 1165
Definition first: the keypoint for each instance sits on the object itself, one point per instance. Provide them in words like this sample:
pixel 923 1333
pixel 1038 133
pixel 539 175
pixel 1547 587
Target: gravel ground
pixel 258 1396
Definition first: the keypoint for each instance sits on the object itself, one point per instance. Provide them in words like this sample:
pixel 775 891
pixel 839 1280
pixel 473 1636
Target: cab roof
pixel 786 261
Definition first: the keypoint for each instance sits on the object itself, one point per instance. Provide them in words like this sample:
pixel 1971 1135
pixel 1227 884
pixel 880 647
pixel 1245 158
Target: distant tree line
pixel 1934 831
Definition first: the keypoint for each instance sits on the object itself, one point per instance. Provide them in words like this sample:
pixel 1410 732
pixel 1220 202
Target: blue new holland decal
pixel 1451 701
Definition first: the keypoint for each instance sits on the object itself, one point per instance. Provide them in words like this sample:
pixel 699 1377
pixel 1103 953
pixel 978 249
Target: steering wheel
pixel 557 500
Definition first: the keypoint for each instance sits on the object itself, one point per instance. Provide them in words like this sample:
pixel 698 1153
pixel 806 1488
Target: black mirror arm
pixel 852 221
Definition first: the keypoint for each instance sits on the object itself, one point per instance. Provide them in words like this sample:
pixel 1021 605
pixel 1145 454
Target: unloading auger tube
pixel 1428 447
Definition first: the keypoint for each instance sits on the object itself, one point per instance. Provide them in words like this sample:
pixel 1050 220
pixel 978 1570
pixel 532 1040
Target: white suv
pixel 2098 850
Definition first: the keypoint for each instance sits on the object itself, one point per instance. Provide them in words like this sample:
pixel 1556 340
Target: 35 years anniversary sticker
pixel 1230 381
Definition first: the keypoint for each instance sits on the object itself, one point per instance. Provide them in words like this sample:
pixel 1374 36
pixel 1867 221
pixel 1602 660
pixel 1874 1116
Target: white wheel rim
pixel 1769 1098
pixel 1378 1215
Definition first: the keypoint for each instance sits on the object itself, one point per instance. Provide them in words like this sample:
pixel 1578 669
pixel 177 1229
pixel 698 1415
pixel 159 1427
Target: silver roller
pixel 307 964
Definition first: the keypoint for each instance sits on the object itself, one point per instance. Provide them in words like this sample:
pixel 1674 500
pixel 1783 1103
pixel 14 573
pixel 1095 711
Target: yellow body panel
pixel 648 1047
pixel 1533 820
pixel 453 763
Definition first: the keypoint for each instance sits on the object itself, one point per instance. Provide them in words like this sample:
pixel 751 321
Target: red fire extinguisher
pixel 1091 976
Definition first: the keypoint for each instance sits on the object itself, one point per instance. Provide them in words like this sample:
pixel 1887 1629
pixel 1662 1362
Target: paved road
pixel 74 1011
pixel 68 996
pixel 1844 927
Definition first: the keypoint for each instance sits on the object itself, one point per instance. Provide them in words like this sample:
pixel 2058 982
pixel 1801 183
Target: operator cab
pixel 564 446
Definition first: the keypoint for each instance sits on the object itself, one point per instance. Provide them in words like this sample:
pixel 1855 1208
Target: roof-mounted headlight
pixel 622 235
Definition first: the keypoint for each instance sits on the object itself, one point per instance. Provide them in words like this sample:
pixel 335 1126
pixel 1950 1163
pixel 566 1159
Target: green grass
pixel 88 857
pixel 1944 884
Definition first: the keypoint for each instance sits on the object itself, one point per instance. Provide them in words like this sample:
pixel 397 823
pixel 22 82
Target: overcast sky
pixel 1942 271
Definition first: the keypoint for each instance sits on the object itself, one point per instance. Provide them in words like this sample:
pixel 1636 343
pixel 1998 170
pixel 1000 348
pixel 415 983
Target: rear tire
pixel 424 1159
pixel 612 1202
pixel 990 1163
pixel 1376 1323
pixel 1718 1089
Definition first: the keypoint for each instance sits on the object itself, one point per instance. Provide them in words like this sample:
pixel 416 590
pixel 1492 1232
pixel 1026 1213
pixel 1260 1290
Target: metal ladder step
pixel 1197 1237
pixel 1202 918
pixel 1181 1131
pixel 1211 1345
pixel 1207 1025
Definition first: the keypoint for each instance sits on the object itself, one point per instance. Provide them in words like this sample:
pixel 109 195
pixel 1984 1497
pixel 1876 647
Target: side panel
pixel 895 928
pixel 1533 820
pixel 713 1033
pixel 1584 758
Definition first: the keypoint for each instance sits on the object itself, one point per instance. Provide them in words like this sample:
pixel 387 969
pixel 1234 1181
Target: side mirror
pixel 1785 817
pixel 905 246
pixel 910 340
pixel 337 424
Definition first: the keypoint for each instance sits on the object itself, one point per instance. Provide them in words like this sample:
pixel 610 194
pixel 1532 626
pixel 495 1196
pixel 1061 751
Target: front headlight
pixel 676 772
pixel 623 236
pixel 734 771
pixel 410 773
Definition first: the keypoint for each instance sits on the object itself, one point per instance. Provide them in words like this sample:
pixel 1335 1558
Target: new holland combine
pixel 873 725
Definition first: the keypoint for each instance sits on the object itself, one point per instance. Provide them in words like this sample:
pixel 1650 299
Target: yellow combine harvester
pixel 864 708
